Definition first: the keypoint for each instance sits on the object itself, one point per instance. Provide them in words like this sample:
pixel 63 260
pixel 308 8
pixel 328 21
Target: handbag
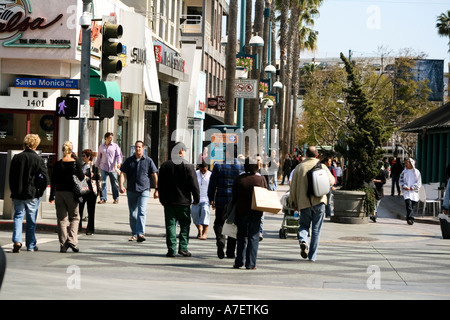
pixel 80 187
pixel 229 227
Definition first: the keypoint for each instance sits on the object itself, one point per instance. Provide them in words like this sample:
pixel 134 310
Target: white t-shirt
pixel 203 182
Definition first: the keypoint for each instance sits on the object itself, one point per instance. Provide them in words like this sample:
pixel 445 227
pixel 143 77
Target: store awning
pixel 109 89
pixel 151 83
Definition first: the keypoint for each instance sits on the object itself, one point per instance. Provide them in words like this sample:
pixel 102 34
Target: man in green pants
pixel 178 189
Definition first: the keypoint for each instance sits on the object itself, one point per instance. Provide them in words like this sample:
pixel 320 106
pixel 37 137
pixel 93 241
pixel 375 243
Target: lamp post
pixel 85 22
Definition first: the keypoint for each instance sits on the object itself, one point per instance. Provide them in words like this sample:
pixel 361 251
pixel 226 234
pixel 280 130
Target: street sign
pixel 224 138
pixel 246 89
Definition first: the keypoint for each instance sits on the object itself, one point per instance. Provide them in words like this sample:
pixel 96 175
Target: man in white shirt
pixel 410 182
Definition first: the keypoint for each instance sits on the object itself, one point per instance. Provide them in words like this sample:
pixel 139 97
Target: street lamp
pixel 256 41
pixel 270 69
pixel 278 85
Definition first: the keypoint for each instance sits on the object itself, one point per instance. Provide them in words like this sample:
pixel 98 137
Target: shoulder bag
pixel 80 187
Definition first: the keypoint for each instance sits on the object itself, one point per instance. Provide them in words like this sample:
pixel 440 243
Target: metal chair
pixel 436 204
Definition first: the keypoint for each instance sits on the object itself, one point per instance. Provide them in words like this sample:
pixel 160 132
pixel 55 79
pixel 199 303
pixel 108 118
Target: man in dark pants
pixel 219 194
pixel 177 183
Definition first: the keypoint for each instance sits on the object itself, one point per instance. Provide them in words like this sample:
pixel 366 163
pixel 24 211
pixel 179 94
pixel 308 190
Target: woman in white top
pixel 201 212
pixel 410 182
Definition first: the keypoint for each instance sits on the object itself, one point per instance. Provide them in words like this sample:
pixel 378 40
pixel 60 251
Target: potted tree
pixel 361 149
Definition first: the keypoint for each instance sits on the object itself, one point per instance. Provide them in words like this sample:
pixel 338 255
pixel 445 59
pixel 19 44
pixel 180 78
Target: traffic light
pixel 104 107
pixel 67 107
pixel 111 63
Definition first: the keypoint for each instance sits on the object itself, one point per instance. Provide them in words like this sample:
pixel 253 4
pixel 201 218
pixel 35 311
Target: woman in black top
pixel 66 201
pixel 92 173
pixel 248 221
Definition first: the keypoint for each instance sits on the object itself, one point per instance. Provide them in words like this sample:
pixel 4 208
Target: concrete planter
pixel 349 207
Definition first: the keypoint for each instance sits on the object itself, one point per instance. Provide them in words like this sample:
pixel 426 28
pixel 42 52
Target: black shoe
pixel 34 249
pixel 410 221
pixel 373 218
pixel 304 250
pixel 63 248
pixel 89 233
pixel 184 253
pixel 220 252
pixel 231 255
pixel 73 247
pixel 16 247
pixel 140 238
pixel 170 255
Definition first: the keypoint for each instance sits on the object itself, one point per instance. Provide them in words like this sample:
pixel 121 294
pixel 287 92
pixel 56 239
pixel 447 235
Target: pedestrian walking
pixel 378 182
pixel 137 170
pixel 287 164
pixel 328 162
pixel 274 164
pixel 66 202
pixel 179 189
pixel 92 173
pixel 396 170
pixel 109 159
pixel 220 194
pixel 411 182
pixel 201 212
pixel 248 221
pixel 28 179
pixel 312 210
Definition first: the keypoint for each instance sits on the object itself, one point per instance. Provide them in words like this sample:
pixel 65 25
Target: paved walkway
pixel 384 260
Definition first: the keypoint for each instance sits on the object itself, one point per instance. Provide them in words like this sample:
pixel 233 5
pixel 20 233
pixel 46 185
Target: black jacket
pixel 176 184
pixel 28 176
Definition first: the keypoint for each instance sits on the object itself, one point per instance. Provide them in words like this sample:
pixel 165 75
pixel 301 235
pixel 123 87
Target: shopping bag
pixel 229 229
pixel 265 200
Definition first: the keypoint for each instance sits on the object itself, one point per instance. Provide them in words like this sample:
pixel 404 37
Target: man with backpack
pixel 310 199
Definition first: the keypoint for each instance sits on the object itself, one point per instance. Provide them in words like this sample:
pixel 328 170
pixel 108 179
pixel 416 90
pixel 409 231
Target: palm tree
pixel 231 63
pixel 443 26
pixel 306 39
pixel 283 7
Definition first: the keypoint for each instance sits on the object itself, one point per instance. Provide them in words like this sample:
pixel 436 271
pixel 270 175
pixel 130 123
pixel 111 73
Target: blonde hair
pixel 67 147
pixel 31 141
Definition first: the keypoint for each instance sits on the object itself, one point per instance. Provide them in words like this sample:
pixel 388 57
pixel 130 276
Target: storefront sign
pixel 46 83
pixel 34 24
pixel 169 58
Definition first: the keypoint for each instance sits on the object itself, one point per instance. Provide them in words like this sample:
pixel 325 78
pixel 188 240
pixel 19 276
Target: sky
pixel 365 25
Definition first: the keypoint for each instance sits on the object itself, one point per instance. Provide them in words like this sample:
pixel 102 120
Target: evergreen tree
pixel 366 134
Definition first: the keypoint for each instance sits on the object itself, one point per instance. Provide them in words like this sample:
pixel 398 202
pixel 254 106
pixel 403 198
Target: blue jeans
pixel 247 240
pixel 309 217
pixel 29 209
pixel 114 184
pixel 137 204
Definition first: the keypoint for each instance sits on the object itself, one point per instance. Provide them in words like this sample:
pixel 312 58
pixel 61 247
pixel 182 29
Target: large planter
pixel 349 207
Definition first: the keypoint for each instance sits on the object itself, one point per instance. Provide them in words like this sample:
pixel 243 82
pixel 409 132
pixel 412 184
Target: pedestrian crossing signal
pixel 67 107
pixel 104 107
